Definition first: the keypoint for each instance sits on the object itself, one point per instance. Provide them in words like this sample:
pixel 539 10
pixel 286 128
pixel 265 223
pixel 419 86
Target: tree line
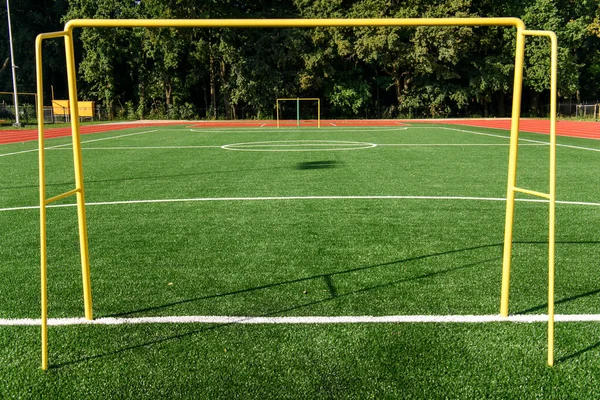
pixel 357 72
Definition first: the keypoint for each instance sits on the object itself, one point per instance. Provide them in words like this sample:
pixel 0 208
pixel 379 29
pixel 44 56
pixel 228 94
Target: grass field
pixel 187 224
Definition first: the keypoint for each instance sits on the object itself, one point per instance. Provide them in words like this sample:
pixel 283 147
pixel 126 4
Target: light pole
pixel 13 67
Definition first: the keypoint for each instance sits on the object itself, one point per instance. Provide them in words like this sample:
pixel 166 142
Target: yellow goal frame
pixel 78 191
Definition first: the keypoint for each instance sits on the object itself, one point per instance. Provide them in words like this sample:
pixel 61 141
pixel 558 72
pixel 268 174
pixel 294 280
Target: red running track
pixel 590 130
pixel 580 129
pixel 28 135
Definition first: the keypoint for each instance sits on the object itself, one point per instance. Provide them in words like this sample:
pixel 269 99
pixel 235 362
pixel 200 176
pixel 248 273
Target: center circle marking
pixel 299 145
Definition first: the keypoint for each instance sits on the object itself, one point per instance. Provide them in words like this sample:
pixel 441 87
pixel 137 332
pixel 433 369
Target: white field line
pixel 142 148
pixel 228 146
pixel 475 133
pixel 322 129
pixel 453 144
pixel 290 198
pixel 118 136
pixel 259 145
pixel 525 140
pixel 296 143
pixel 58 146
pixel 248 320
pixel 18 152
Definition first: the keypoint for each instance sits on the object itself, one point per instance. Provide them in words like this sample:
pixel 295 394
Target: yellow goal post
pixel 78 191
pixel 298 100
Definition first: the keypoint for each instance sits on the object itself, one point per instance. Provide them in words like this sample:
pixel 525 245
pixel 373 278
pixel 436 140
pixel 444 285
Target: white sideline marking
pixel 525 140
pixel 455 144
pixel 476 133
pixel 58 146
pixel 288 198
pixel 366 319
pixel 18 152
pixel 118 136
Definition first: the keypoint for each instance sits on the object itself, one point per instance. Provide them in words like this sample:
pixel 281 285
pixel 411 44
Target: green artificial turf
pixel 291 256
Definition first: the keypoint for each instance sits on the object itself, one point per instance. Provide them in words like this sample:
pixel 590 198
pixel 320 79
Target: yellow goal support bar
pixel 78 191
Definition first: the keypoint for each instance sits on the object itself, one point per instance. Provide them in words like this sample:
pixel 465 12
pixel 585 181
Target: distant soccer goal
pixel 587 111
pixel 299 110
pixel 26 107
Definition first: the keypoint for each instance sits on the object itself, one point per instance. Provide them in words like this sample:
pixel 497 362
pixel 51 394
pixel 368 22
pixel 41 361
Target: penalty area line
pixel 315 320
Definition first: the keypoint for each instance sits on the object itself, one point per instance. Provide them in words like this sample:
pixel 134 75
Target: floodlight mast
pixel 13 66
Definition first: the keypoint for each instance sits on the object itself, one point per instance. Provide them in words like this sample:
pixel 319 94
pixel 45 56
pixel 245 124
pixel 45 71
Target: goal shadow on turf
pixel 326 277
pixel 544 306
pixel 328 281
pixel 333 295
pixel 578 353
pixel 147 178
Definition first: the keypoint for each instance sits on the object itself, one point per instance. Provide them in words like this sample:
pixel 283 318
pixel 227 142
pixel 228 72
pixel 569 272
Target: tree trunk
pixel 142 101
pixel 484 106
pixel 205 96
pixel 398 85
pixel 213 87
pixel 535 103
pixel 226 102
pixel 501 108
pixel 168 91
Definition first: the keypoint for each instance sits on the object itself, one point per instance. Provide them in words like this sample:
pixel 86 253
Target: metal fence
pixel 27 113
pixel 589 111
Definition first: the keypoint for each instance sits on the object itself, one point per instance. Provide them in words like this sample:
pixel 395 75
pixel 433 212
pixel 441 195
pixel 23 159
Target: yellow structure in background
pixel 62 107
pixel 298 100
pixel 86 108
pixel 78 191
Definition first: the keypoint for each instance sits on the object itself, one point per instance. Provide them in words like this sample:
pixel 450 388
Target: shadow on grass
pixel 326 164
pixel 329 283
pixel 334 295
pixel 544 306
pixel 145 178
pixel 578 353
pixel 561 301
pixel 326 277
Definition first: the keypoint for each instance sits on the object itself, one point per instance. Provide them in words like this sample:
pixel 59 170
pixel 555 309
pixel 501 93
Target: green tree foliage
pixel 30 17
pixel 358 72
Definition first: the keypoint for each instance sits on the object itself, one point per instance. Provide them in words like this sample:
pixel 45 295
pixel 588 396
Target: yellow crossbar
pixel 289 23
